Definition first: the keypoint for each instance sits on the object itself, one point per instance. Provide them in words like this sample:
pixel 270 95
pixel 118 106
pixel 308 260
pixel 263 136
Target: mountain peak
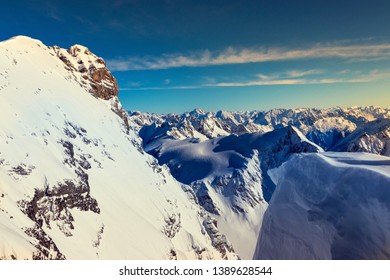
pixel 94 74
pixel 61 148
pixel 77 49
pixel 23 38
pixel 22 41
pixel 197 111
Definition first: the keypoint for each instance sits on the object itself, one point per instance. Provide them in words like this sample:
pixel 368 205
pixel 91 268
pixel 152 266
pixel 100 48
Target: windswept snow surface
pixel 328 206
pixel 74 181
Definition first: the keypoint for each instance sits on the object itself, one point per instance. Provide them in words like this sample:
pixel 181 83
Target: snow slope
pixel 328 206
pixel 229 174
pixel 74 181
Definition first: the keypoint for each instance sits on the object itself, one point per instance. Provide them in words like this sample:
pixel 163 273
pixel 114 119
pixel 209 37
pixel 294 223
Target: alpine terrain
pixel 82 178
pixel 244 164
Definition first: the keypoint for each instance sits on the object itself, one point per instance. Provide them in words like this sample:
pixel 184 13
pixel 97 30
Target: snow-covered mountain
pixel 226 157
pixel 328 206
pixel 80 178
pixel 74 180
pixel 229 174
pixel 372 137
pixel 200 124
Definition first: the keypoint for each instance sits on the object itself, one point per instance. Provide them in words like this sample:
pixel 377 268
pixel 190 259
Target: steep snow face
pixel 74 181
pixel 328 206
pixel 227 185
pixel 229 174
pixel 373 137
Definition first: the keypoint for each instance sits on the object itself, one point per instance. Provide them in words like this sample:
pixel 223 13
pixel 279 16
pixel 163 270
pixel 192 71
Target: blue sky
pixel 176 55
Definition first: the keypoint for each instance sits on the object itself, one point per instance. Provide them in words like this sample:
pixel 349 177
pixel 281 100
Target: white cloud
pixel 305 79
pixel 241 56
pixel 294 77
pixel 297 73
pixel 291 74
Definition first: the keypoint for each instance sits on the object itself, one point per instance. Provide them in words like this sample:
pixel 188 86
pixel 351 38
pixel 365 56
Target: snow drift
pixel 328 206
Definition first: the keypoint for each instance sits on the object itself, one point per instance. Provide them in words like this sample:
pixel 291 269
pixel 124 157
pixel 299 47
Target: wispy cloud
pixel 290 74
pixel 52 11
pixel 297 73
pixel 240 56
pixel 307 79
pixel 294 77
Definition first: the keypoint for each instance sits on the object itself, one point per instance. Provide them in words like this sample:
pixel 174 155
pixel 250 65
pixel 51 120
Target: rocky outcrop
pixel 51 205
pixel 218 240
pixel 91 72
pixel 96 78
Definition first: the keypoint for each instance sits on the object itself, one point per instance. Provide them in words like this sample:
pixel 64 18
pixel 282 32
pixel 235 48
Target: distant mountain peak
pixel 197 111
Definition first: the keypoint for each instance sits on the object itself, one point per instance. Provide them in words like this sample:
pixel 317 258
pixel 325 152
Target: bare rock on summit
pixel 93 75
pixel 97 79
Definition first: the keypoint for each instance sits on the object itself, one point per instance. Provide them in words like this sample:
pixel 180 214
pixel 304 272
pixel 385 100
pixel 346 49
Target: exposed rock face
pixel 50 206
pixel 97 79
pixel 219 240
pixel 100 79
